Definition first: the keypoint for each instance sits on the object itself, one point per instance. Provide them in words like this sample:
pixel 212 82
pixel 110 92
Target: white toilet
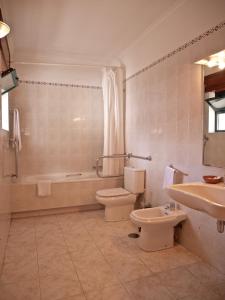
pixel 157 226
pixel 119 202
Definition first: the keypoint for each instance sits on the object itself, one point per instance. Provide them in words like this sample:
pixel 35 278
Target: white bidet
pixel 157 226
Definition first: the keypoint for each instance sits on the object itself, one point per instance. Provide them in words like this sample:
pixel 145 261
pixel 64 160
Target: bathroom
pixel 47 244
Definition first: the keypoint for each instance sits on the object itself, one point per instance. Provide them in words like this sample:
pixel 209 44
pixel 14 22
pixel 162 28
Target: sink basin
pixel 208 198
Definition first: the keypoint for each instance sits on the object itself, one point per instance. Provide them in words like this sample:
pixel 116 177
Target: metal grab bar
pixel 116 156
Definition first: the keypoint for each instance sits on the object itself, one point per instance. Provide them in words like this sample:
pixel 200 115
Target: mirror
pixel 214 112
pixel 8 81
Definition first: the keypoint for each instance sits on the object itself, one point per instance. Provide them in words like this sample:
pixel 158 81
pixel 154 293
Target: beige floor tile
pixel 58 287
pixel 21 226
pixel 25 239
pixel 218 288
pixel 76 297
pixel 51 248
pixel 92 224
pixel 132 244
pixel 102 239
pixel 118 247
pixel 116 292
pixel 96 276
pixel 25 290
pixel 180 283
pixel 94 214
pixel 148 288
pixel 22 222
pixel 45 220
pixel 73 227
pixel 14 255
pixel 80 251
pixel 70 218
pixel 168 259
pixel 88 256
pixel 22 270
pixel 123 228
pixel 49 233
pixel 46 231
pixel 79 245
pixel 76 237
pixel 50 243
pixel 206 273
pixel 50 266
pixel 98 226
pixel 204 294
pixel 129 268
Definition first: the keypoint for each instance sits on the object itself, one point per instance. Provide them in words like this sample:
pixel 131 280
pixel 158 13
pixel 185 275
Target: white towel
pixel 44 188
pixel 169 177
pixel 16 130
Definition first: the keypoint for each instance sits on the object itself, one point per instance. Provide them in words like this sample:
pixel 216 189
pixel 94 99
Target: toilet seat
pixel 115 192
pixel 117 200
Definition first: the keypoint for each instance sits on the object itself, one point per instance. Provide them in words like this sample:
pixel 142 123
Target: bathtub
pixel 68 190
pixel 59 177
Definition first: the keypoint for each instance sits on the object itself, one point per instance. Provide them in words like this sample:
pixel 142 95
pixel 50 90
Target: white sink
pixel 208 198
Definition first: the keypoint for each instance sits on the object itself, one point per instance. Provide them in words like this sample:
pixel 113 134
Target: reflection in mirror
pixel 214 110
pixel 8 80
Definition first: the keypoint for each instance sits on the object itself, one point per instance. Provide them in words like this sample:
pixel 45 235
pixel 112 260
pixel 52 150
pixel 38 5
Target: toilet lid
pixel 112 192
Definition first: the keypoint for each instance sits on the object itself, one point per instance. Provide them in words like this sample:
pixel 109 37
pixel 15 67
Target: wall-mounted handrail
pixel 116 156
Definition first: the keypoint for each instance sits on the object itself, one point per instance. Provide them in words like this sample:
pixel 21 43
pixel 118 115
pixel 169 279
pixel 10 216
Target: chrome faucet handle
pixel 172 205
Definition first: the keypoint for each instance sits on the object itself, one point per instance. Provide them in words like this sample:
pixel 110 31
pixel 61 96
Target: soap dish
pixel 212 179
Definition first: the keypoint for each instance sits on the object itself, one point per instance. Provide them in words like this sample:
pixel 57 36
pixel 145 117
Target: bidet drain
pixel 133 235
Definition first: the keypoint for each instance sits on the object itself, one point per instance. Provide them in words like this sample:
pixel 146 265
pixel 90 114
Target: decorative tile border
pixel 61 84
pixel 179 49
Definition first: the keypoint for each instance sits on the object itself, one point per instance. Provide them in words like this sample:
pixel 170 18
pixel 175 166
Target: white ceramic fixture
pixel 157 226
pixel 4 29
pixel 208 198
pixel 119 202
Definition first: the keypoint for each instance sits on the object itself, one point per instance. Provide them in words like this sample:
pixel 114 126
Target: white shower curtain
pixel 112 85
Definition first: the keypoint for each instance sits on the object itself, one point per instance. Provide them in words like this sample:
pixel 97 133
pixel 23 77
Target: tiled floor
pixel 79 256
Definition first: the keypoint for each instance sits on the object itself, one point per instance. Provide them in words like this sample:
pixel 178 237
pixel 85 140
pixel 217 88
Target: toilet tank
pixel 134 180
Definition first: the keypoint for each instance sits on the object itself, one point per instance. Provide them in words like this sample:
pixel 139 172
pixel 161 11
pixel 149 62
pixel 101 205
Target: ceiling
pixel 78 31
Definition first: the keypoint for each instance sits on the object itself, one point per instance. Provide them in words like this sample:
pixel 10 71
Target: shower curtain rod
pixel 63 65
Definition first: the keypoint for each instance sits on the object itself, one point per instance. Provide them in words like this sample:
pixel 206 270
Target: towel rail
pixel 177 170
pixel 116 156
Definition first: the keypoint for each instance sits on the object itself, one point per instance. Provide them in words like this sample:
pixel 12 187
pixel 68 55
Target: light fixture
pixel 212 63
pixel 4 29
pixel 214 60
pixel 221 65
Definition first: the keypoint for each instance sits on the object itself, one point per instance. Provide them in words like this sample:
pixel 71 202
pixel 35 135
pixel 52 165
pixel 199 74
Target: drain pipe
pixel 220 226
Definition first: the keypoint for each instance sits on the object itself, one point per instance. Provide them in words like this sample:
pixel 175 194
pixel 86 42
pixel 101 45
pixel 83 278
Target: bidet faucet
pixel 170 206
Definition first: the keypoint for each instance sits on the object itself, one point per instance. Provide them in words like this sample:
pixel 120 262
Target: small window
pixel 211 118
pixel 5 112
pixel 220 121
